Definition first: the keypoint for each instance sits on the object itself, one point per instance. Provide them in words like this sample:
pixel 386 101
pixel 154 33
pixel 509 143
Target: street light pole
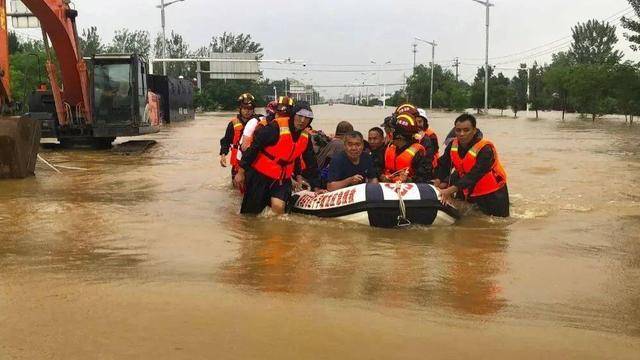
pixel 383 95
pixel 487 5
pixel 433 64
pixel 164 31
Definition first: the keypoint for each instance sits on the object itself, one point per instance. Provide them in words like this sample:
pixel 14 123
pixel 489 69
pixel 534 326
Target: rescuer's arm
pixel 311 171
pixel 225 142
pixel 443 171
pixel 263 138
pixel 267 136
pixel 423 165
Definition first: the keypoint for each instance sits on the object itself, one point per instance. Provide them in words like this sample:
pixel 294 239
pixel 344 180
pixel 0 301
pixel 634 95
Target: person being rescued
pixel 405 159
pixel 352 166
pixel 268 165
pixel 479 175
pixel 377 147
pixel 231 140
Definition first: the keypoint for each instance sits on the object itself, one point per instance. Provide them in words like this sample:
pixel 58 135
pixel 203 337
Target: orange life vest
pixel 395 163
pixel 492 181
pixel 433 138
pixel 238 127
pixel 278 161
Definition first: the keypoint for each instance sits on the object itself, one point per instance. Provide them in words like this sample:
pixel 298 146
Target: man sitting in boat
pixel 405 159
pixel 352 166
pixel 267 166
pixel 479 174
pixel 334 147
pixel 377 148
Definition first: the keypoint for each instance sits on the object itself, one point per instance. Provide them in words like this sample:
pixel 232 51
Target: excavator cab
pixel 119 96
pixel 118 92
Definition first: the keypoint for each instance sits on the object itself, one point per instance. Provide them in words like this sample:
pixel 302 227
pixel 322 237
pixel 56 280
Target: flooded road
pixel 146 256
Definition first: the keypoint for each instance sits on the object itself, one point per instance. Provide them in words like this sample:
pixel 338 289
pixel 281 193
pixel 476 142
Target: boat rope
pixel 402 218
pixel 48 164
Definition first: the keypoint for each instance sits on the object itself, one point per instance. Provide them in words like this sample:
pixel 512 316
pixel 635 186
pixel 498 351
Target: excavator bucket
pixel 19 145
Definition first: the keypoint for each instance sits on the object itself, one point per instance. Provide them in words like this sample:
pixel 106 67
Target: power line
pixel 618 15
pixel 334 71
pixel 555 48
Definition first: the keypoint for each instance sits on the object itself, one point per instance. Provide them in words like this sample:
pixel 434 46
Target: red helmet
pixel 407 108
pixel 407 124
pixel 271 107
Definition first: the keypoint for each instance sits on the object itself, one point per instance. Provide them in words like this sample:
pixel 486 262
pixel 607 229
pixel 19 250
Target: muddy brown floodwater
pixel 146 257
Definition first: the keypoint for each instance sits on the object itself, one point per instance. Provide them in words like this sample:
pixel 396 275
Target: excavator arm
pixel 57 20
pixel 5 73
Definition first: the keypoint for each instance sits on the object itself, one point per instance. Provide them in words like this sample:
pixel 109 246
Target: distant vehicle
pixel 330 102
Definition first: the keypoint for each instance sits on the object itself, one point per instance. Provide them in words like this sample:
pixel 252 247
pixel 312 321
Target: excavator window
pixel 113 93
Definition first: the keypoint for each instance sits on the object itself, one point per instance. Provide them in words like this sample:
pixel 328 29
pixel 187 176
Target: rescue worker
pixel 282 105
pixel 231 140
pixel 267 166
pixel 479 174
pixel 405 159
pixel 427 137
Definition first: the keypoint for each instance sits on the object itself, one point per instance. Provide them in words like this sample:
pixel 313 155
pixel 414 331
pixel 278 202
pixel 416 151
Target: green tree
pixel 90 42
pixel 625 89
pixel 127 41
pixel 633 26
pixel 418 89
pixel 518 93
pixel 176 48
pixel 557 78
pixel 14 43
pixel 589 87
pixel 593 43
pixel 478 87
pixel 499 88
pixel 539 95
pixel 398 98
pixel 460 97
pixel 232 43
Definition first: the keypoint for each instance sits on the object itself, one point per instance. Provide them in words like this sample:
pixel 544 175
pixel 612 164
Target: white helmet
pixel 423 114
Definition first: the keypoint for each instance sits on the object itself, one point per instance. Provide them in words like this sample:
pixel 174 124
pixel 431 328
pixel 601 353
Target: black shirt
pixel 484 162
pixel 341 167
pixel 377 156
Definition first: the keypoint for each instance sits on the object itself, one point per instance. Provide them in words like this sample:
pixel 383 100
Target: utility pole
pixel 525 66
pixel 433 64
pixel 163 5
pixel 456 63
pixel 487 5
pixel 415 51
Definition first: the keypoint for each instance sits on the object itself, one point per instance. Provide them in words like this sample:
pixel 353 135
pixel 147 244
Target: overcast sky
pixel 329 34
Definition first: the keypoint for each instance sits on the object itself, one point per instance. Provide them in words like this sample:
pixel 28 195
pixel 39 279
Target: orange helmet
pixel 285 103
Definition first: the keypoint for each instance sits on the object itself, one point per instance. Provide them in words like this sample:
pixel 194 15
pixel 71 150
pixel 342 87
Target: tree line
pixel 590 78
pixel 27 57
